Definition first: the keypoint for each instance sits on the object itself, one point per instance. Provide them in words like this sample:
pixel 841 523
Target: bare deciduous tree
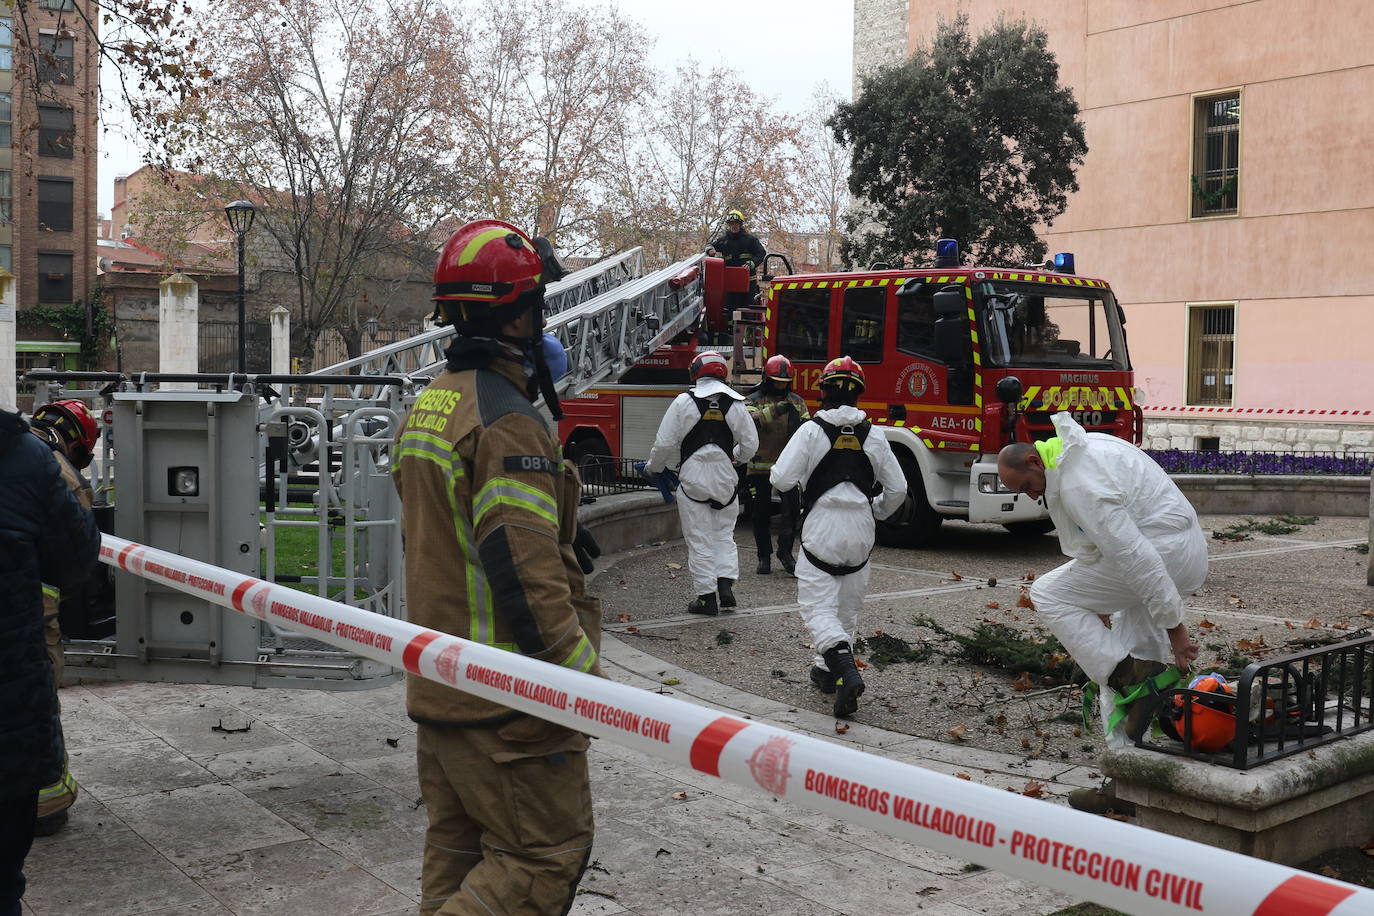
pixel 709 143
pixel 340 121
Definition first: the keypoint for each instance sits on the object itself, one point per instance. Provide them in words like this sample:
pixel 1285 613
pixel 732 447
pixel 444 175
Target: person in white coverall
pixel 709 431
pixel 1137 551
pixel 849 476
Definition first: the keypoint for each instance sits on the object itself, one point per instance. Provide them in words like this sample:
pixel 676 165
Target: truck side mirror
pixel 952 344
pixel 950 303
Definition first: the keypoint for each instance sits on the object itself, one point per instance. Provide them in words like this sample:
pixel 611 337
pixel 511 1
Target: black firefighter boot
pixel 704 604
pixel 727 594
pixel 822 680
pixel 849 686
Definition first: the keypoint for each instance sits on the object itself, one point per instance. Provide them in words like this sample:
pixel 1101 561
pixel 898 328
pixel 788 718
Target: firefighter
pixel 489 521
pixel 708 431
pixel 778 412
pixel 1137 549
pixel 45 535
pixel 848 476
pixel 739 249
pixel 70 431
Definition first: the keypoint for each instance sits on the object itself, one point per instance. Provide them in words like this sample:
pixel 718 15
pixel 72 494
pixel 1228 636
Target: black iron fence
pixel 219 346
pixel 606 476
pixel 1281 706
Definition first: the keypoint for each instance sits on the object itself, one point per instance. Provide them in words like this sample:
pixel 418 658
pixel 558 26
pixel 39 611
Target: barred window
pixel 1216 165
pixel 1211 354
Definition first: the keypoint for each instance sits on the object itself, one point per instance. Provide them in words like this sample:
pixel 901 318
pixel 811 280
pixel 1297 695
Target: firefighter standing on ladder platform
pixel 489 522
pixel 848 476
pixel 778 413
pixel 739 249
pixel 67 428
pixel 709 431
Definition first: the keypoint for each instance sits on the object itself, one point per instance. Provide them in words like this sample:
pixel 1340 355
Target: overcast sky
pixel 783 48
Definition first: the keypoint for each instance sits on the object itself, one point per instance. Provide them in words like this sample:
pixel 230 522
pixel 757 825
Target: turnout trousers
pixel 510 818
pixel 61 795
pixel 761 514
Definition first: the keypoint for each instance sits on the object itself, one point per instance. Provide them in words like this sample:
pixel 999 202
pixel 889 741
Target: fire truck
pixel 960 360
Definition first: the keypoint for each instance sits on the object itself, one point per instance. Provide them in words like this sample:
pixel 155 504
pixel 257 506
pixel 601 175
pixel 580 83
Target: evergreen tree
pixel 971 138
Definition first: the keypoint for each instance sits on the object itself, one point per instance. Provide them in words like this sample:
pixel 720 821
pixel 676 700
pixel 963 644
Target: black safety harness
pixel 711 429
pixel 845 462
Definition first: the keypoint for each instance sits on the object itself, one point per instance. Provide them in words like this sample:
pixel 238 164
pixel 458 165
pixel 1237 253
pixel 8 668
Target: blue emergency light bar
pixel 1063 262
pixel 946 253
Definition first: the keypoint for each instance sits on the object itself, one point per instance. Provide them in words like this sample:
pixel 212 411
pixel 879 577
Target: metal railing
pixel 603 475
pixel 423 354
pixel 1292 703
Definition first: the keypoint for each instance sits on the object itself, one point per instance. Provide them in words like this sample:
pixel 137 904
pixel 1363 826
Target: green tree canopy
pixel 971 138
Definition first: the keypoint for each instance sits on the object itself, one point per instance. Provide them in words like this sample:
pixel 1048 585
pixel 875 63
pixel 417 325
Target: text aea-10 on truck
pixel 959 361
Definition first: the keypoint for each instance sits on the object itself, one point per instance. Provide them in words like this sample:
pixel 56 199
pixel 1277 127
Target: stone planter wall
pixel 1273 434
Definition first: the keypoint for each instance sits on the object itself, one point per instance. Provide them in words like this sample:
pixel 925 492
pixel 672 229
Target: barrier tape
pixel 1261 411
pixel 1115 864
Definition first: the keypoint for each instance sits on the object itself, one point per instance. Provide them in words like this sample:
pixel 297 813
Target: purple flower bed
pixel 1177 461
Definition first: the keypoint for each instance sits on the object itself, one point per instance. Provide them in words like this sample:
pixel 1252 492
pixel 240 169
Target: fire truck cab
pixel 959 362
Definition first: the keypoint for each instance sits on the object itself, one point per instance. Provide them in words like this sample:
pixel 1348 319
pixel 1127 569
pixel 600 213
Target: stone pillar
pixel 281 340
pixel 178 329
pixel 9 393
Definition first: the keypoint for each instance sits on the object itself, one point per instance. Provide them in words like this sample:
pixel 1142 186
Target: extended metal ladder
pixel 418 355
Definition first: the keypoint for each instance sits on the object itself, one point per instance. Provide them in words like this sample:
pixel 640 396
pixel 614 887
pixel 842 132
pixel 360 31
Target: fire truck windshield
pixel 1060 328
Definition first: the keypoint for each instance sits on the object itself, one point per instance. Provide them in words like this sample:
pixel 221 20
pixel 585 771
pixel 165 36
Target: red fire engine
pixel 959 361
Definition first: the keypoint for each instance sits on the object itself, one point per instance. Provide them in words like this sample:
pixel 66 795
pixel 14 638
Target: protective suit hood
pixel 841 416
pixel 705 387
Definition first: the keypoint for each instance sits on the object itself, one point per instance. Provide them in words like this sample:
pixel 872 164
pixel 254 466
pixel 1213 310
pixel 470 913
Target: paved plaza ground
pixel 314 808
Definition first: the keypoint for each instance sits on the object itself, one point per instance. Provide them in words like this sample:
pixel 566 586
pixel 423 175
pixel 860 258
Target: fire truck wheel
pixel 1030 529
pixel 923 523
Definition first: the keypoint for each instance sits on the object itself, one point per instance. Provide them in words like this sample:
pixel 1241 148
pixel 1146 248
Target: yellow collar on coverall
pixel 1049 451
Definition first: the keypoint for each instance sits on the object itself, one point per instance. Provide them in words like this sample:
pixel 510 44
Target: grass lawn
pixel 298 555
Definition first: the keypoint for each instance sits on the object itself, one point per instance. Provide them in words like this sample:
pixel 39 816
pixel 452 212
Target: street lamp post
pixel 241 214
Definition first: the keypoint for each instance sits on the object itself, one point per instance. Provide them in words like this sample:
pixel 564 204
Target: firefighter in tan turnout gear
pixel 708 430
pixel 70 431
pixel 848 477
pixel 490 520
pixel 778 413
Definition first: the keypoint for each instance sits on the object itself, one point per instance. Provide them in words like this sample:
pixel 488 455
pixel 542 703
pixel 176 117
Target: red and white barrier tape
pixel 1261 411
pixel 1115 864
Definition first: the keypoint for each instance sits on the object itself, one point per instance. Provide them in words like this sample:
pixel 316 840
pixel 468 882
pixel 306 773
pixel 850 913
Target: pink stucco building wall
pixel 1296 258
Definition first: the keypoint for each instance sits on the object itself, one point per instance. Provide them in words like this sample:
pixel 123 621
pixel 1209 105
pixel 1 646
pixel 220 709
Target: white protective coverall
pixel 1137 550
pixel 839 528
pixel 708 474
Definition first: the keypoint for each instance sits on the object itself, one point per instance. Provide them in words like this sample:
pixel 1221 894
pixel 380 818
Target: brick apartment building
pixel 48 144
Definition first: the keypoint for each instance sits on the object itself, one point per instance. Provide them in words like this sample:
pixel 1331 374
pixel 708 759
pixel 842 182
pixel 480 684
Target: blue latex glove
pixel 665 480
